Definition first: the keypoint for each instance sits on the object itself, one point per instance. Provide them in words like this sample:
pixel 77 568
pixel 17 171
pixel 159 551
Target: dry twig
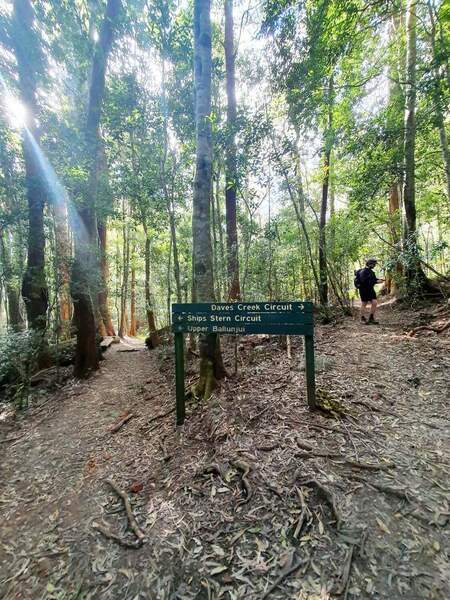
pixel 131 518
pixel 282 577
pixel 115 428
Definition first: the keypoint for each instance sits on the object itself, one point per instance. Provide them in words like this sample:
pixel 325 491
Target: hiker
pixel 365 281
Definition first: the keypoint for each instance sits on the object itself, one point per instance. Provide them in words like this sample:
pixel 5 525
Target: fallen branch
pixel 162 415
pixel 328 496
pixel 131 518
pixel 301 519
pixel 282 577
pixel 115 428
pixel 440 329
pixel 112 536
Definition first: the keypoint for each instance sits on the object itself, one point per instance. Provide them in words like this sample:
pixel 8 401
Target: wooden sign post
pixel 242 318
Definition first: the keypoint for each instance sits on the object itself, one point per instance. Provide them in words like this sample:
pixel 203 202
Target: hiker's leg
pixel 373 308
pixel 363 310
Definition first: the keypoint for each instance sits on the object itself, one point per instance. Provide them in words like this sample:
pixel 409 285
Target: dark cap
pixel 371 262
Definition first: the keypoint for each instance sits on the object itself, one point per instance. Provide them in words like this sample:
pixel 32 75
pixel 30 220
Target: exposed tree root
pixel 283 576
pixel 387 489
pixel 343 583
pixel 313 453
pixel 131 518
pixel 440 329
pixel 244 468
pixel 328 496
pixel 112 536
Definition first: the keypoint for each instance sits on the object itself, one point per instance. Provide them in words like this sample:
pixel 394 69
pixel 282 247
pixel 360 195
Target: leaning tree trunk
pixel 211 366
pixel 34 285
pixel 234 290
pixel 416 280
pixel 85 268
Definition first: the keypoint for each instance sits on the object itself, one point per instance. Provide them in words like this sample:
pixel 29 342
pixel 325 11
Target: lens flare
pixel 16 112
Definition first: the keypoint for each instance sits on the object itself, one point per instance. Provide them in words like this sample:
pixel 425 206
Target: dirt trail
pixel 211 530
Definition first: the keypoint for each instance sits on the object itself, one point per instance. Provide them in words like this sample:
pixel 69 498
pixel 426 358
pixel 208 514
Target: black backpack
pixel 357 281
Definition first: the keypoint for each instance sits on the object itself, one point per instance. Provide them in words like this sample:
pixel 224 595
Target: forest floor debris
pixel 245 500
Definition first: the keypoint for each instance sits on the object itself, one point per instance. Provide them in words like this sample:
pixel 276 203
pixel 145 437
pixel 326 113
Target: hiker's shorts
pixel 367 294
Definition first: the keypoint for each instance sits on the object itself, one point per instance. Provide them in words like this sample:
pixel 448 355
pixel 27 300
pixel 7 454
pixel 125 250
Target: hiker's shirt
pixel 367 279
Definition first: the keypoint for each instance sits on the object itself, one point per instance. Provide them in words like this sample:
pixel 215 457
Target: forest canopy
pixel 155 151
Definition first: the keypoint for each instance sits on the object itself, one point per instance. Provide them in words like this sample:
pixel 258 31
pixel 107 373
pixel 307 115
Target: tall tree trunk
pixel 106 326
pixel 323 286
pixel 211 366
pixel 132 328
pixel 63 257
pixel 416 280
pixel 234 291
pixel 11 285
pixel 85 268
pixel 148 295
pixel 28 56
pixel 396 104
pixel 439 102
pixel 123 326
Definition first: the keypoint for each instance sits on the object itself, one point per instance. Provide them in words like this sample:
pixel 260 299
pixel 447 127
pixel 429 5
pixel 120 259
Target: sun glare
pixel 16 111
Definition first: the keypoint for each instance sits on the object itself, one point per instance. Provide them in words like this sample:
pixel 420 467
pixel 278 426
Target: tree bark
pixel 28 56
pixel 323 277
pixel 234 291
pixel 132 328
pixel 439 103
pixel 123 325
pixel 211 366
pixel 106 326
pixel 85 270
pixel 12 287
pixel 63 257
pixel 148 296
pixel 416 280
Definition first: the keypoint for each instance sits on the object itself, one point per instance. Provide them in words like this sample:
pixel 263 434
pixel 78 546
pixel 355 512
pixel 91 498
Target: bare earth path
pixel 254 489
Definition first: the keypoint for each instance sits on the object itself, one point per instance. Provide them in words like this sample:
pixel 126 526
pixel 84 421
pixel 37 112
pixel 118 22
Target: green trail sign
pixel 242 318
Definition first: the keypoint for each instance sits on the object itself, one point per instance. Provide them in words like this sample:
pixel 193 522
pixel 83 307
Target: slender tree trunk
pixel 63 257
pixel 211 366
pixel 415 277
pixel 234 291
pixel 123 326
pixel 132 329
pixel 11 285
pixel 148 296
pixel 323 287
pixel 106 326
pixel 439 103
pixel 28 56
pixel 86 268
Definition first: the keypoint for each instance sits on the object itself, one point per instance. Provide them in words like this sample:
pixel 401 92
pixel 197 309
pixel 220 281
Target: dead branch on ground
pixel 115 428
pixel 131 518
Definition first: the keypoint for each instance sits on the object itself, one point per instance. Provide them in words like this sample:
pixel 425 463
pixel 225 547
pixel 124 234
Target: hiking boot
pixel 363 319
pixel 372 321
